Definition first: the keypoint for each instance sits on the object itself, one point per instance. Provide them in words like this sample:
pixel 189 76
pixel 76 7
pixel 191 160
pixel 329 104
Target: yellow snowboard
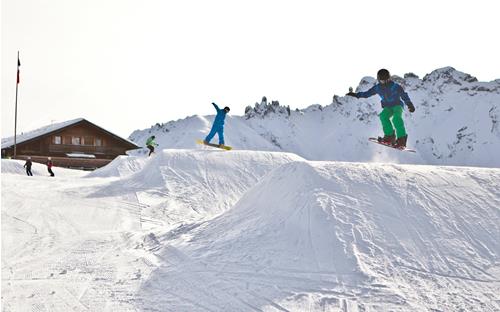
pixel 227 148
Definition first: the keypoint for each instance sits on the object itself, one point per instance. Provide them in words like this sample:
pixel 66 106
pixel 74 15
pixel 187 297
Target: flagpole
pixel 15 119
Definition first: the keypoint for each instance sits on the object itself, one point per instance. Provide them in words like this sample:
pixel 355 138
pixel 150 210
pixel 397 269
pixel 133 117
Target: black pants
pixel 51 173
pixel 151 149
pixel 28 171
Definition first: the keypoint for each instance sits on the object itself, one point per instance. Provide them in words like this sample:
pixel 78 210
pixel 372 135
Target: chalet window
pixel 57 139
pixel 75 140
pixel 98 142
pixel 88 140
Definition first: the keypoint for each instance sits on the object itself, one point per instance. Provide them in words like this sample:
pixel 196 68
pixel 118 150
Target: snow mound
pixel 192 185
pixel 342 236
pixel 121 166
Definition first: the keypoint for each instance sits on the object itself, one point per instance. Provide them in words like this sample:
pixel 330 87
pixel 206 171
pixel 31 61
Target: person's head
pixel 153 137
pixel 49 158
pixel 226 109
pixel 383 76
pixel 29 158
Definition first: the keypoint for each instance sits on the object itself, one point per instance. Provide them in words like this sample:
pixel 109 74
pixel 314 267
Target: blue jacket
pixel 221 116
pixel 390 93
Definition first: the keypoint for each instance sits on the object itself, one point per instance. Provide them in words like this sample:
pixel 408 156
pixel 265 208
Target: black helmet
pixel 227 109
pixel 383 74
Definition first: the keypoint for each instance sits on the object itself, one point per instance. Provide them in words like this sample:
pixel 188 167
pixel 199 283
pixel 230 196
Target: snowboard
pixel 225 147
pixel 375 140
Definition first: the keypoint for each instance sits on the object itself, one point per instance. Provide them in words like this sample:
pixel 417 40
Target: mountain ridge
pixel 456 123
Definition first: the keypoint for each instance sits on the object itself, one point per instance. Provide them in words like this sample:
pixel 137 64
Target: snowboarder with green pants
pixel 393 97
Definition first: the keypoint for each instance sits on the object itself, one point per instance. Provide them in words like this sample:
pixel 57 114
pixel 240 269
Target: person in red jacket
pixel 49 166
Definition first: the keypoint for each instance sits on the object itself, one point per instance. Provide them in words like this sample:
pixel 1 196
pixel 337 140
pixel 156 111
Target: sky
pixel 127 65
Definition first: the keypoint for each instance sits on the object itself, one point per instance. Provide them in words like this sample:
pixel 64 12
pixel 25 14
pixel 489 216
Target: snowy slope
pixel 210 230
pixel 81 241
pixel 192 185
pixel 17 167
pixel 456 123
pixel 342 237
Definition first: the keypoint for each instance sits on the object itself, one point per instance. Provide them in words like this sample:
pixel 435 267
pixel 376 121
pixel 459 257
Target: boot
pixel 401 142
pixel 387 139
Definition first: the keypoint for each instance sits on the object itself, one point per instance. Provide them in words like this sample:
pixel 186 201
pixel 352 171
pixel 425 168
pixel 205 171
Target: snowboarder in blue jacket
pixel 218 126
pixel 392 98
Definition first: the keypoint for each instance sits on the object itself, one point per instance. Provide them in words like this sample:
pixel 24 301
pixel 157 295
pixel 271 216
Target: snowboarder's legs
pixel 210 135
pixel 151 149
pixel 51 172
pixel 397 121
pixel 219 131
pixel 385 118
pixel 28 172
pixel 396 113
pixel 220 134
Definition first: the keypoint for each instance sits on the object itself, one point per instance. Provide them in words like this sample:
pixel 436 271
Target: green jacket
pixel 151 142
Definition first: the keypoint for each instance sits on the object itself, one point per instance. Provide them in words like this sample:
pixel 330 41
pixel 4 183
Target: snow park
pixel 283 222
pixel 243 156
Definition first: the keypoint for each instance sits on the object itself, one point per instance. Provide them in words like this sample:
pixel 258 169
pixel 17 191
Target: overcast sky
pixel 127 65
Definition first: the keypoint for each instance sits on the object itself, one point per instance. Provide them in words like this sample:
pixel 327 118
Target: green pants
pixel 396 113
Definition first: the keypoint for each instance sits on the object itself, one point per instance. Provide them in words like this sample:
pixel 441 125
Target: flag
pixel 18 65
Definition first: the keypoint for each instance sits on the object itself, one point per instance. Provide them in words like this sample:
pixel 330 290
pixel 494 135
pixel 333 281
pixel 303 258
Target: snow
pixel 80 155
pixel 456 122
pixel 7 142
pixel 303 215
pixel 12 166
pixel 211 230
pixel 23 137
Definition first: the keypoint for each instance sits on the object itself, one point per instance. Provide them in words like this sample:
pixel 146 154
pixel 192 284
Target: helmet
pixel 227 109
pixel 383 74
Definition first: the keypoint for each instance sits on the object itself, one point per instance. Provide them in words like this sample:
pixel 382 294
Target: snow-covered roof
pixel 9 142
pixel 26 136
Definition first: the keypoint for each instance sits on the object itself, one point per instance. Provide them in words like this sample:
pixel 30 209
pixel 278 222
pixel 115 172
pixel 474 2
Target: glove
pixel 411 108
pixel 352 94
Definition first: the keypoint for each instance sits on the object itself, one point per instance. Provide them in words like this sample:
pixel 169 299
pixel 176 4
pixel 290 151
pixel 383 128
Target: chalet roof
pixel 27 136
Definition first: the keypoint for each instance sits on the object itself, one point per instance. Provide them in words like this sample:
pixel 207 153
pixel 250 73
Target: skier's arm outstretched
pixel 216 107
pixel 365 94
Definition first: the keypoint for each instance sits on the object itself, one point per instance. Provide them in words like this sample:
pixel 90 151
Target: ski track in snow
pixel 206 230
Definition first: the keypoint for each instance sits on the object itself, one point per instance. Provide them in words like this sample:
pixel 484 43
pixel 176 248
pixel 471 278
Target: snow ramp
pixel 121 166
pixel 184 186
pixel 320 236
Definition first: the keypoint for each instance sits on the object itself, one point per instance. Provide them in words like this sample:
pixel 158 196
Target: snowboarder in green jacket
pixel 150 144
pixel 393 97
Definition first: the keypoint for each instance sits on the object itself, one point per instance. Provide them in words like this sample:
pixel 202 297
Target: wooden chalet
pixel 75 143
